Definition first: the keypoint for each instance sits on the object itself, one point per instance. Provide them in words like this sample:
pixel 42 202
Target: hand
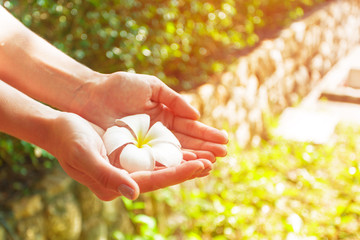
pixel 80 151
pixel 120 94
pixel 60 81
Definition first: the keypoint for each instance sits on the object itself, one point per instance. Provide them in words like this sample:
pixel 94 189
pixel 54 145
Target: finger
pixel 197 129
pixel 98 129
pixel 174 101
pixel 153 180
pixel 101 192
pixel 108 176
pixel 208 166
pixel 189 155
pixel 188 142
pixel 201 154
pixel 204 175
pixel 107 195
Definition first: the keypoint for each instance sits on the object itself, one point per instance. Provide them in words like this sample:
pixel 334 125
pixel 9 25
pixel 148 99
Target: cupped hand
pixel 120 94
pixel 80 151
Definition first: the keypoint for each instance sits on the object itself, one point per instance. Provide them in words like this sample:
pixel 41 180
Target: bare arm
pixel 60 81
pixel 71 139
pixel 79 149
pixel 51 76
pixel 24 118
pixel 36 68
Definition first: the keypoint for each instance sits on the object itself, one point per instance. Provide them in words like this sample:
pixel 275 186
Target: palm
pixel 82 155
pixel 127 94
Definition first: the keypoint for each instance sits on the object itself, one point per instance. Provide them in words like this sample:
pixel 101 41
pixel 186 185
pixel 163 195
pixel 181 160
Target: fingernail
pixel 126 191
pixel 226 133
pixel 225 152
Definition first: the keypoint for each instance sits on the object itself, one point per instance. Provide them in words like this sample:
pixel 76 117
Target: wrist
pixel 66 130
pixel 45 125
pixel 83 92
pixel 58 132
pixel 85 101
pixel 25 118
pixel 44 73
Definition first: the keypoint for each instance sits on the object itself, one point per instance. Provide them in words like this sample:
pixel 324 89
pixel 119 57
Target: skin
pixel 32 70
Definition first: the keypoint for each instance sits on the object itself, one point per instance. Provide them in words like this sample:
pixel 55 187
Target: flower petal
pixel 168 154
pixel 135 159
pixel 138 123
pixel 159 133
pixel 115 137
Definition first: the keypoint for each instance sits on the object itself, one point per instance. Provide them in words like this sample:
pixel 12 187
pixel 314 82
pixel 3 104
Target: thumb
pixel 113 179
pixel 173 100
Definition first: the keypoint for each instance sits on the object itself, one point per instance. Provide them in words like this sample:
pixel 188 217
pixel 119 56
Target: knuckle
pixel 103 178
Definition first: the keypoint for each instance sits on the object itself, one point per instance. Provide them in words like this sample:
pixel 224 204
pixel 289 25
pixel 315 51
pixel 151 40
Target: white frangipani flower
pixel 143 146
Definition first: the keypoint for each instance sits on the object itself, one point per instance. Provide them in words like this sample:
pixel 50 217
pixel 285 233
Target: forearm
pixel 56 79
pixel 25 118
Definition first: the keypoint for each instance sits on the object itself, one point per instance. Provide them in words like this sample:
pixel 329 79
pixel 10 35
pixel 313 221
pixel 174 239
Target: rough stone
pixel 289 85
pixel 317 63
pixel 193 99
pixel 113 214
pixel 63 218
pixel 302 78
pixel 290 64
pixel 242 72
pixel 55 183
pixel 279 44
pixel 94 229
pixel 2 233
pixel 227 79
pixel 242 134
pixel 219 112
pixel 230 109
pixel 255 120
pixel 299 30
pixel 238 94
pixel 110 211
pixel 31 228
pixel 325 49
pixel 264 65
pixel 27 207
pixel 206 92
pixel 222 94
pixel 315 75
pixel 250 92
pixel 89 204
pixel 263 99
pixel 276 56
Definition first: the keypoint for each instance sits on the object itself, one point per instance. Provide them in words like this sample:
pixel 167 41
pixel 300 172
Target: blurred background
pixel 241 63
pixel 181 42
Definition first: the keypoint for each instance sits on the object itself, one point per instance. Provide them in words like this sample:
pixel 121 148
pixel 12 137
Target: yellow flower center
pixel 141 141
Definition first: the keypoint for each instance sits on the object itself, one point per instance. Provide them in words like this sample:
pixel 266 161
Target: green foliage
pixel 280 190
pixel 21 164
pixel 146 226
pixel 183 42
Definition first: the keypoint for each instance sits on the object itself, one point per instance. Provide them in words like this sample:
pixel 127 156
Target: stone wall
pixel 277 74
pixel 62 209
